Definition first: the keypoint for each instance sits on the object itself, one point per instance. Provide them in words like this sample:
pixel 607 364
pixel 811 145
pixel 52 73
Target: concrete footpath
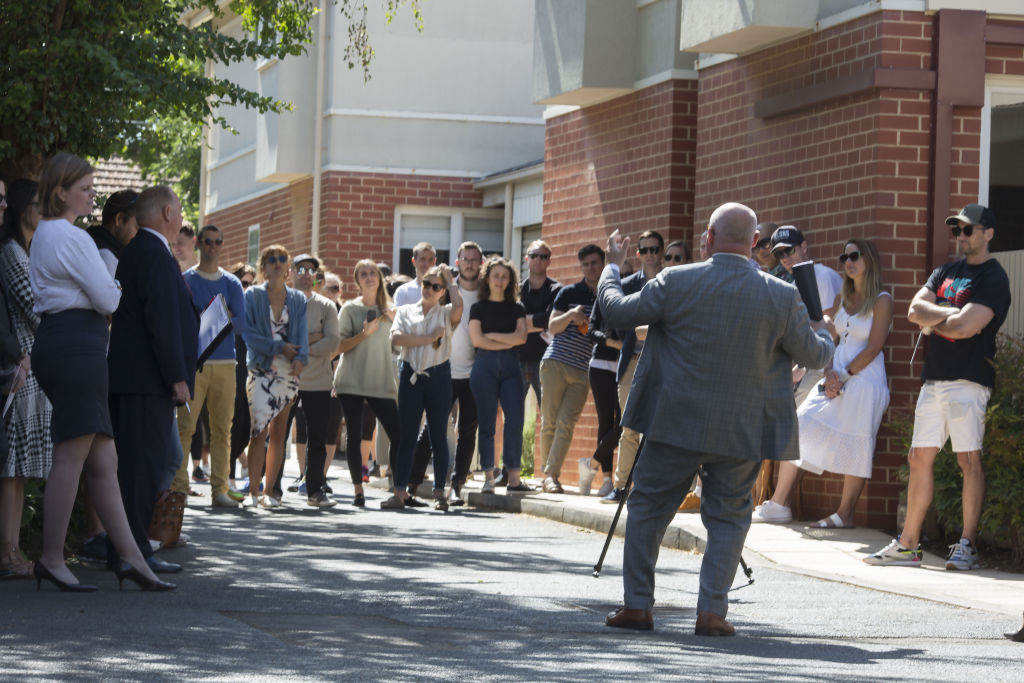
pixel 829 554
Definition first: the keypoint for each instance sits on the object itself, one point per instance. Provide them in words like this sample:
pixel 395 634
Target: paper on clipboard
pixel 214 327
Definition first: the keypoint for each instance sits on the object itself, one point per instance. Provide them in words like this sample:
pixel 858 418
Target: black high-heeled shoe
pixel 41 572
pixel 141 580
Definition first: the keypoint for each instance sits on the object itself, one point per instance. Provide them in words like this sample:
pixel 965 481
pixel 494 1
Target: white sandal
pixel 833 521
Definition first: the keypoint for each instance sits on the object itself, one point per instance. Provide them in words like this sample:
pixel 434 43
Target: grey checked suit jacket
pixel 715 374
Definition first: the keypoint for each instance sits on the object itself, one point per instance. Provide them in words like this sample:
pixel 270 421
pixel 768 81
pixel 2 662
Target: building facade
pixel 846 119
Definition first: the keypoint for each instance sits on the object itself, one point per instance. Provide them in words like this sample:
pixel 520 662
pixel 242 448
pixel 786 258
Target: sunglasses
pixel 246 284
pixel 783 253
pixel 763 243
pixel 648 250
pixel 436 286
pixel 333 288
pixel 853 257
pixel 678 258
pixel 542 257
pixel 3 199
pixel 271 260
pixel 967 230
pixel 209 241
pixel 305 270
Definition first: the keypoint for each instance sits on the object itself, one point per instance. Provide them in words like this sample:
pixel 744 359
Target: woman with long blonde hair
pixel 839 421
pixel 366 373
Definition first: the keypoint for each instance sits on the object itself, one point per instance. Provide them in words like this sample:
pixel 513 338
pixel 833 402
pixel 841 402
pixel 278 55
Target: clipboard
pixel 214 327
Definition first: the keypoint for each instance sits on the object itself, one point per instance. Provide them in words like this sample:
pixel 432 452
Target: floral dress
pixel 271 390
pixel 28 423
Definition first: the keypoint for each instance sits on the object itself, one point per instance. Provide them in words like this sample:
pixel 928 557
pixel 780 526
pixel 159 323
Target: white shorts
pixel 951 410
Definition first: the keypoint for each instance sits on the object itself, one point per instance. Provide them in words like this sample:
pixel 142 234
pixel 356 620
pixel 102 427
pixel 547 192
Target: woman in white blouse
pixel 423 331
pixel 74 294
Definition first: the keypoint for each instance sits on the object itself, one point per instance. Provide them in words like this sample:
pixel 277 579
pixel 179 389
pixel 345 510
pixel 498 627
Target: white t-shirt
pixel 409 293
pixel 830 283
pixel 463 351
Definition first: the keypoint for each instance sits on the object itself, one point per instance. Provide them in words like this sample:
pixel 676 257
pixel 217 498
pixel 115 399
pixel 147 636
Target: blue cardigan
pixel 259 338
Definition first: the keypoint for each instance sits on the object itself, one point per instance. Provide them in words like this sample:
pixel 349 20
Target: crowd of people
pixel 102 345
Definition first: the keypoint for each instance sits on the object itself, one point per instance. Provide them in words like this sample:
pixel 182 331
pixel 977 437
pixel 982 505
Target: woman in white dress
pixel 838 423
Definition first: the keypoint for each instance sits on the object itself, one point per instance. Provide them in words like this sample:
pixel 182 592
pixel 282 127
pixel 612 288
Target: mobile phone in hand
pixel 371 315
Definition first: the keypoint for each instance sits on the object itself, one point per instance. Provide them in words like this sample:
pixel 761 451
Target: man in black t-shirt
pixel 963 305
pixel 537 293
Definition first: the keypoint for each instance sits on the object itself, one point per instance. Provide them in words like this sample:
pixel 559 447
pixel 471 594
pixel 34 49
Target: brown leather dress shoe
pixel 710 624
pixel 636 619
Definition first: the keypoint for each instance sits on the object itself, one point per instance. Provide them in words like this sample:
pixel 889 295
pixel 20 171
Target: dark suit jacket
pixel 716 372
pixel 154 336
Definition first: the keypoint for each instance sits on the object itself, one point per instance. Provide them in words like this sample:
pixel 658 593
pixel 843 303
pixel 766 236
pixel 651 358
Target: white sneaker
pixel 488 486
pixel 586 475
pixel 895 555
pixel 962 556
pixel 771 513
pixel 270 502
pixel 606 488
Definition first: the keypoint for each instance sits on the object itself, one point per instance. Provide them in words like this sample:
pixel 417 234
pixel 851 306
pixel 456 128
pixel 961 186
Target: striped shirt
pixel 570 346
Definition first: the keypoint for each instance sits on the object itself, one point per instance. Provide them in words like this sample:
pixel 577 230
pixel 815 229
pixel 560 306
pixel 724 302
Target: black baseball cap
pixel 787 236
pixel 974 214
pixel 306 257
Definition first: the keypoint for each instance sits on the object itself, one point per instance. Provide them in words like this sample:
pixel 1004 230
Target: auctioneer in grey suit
pixel 712 390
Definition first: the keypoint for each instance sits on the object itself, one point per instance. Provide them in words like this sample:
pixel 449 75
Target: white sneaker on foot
pixel 771 513
pixel 488 486
pixel 895 555
pixel 606 488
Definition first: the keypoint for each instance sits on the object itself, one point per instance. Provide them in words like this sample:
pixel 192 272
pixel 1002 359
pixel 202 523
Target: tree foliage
pixel 129 77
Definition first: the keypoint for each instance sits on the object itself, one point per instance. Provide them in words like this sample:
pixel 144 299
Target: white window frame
pixel 1013 85
pixel 457 215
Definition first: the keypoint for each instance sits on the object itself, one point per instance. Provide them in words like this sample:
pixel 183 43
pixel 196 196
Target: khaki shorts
pixel 951 410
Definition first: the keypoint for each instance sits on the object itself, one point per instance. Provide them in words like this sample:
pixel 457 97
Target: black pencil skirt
pixel 69 359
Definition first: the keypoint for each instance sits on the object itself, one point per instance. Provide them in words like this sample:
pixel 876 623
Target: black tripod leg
pixel 618 510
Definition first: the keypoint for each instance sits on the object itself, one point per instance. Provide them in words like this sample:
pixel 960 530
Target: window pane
pixel 487 232
pixel 1006 171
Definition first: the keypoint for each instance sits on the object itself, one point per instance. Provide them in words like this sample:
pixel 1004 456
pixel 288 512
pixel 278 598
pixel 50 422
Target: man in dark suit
pixel 712 390
pixel 152 358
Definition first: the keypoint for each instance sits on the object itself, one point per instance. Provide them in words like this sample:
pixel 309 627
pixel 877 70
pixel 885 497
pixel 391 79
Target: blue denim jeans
pixel 497 377
pixel 431 392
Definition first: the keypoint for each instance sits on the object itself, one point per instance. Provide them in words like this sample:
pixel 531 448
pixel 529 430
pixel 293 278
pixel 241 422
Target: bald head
pixel 731 229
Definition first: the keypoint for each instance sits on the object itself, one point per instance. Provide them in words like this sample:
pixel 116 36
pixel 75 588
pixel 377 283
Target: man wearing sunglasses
pixel 317 377
pixel 790 247
pixel 761 253
pixel 650 244
pixel 963 304
pixel 215 382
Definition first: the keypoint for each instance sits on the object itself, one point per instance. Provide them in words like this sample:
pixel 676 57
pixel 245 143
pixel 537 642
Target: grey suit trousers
pixel 662 478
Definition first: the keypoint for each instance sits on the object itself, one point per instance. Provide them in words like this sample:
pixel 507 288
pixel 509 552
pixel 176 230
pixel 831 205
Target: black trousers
pixel 316 407
pixel 386 410
pixel 464 446
pixel 606 403
pixel 240 424
pixel 147 456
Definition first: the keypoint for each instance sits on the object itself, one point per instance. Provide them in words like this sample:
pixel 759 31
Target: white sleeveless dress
pixel 838 435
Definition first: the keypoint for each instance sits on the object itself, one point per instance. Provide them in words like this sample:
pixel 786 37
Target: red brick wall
pixel 855 166
pixel 357 216
pixel 626 164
